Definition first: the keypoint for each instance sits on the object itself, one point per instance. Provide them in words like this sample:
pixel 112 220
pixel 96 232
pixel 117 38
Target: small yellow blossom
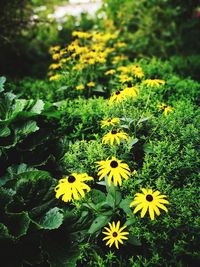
pixel 56 56
pixel 55 77
pixel 54 49
pixel 166 109
pixel 54 66
pixel 91 84
pixel 80 87
pixel 125 78
pixel 110 72
pixel 110 122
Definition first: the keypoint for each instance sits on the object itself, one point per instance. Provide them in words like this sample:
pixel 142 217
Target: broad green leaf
pixel 4 233
pixel 125 205
pixel 97 196
pixel 26 129
pixel 37 107
pixel 98 223
pixel 52 219
pixel 18 224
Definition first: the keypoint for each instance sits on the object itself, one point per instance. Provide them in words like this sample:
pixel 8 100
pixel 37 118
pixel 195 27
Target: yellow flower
pixel 55 77
pixel 110 72
pixel 79 34
pixel 149 200
pixel 115 169
pixel 123 69
pixel 73 186
pixel 125 78
pixel 120 44
pixel 138 72
pixel 116 97
pixel 54 66
pixel 80 87
pixel 114 136
pixel 115 234
pixel 54 49
pixel 130 92
pixel 153 82
pixel 166 109
pixel 110 122
pixel 91 84
pixel 56 56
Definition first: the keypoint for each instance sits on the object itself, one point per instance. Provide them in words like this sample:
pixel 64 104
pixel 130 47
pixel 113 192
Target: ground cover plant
pixel 99 161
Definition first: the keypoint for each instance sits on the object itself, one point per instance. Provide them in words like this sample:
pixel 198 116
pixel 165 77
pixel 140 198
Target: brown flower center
pixel 115 234
pixel 71 179
pixel 114 164
pixel 113 131
pixel 149 198
pixel 117 93
pixel 109 120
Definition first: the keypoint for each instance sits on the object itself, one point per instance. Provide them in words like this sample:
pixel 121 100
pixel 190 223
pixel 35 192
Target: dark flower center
pixel 117 93
pixel 115 234
pixel 114 164
pixel 149 198
pixel 71 179
pixel 113 131
pixel 109 120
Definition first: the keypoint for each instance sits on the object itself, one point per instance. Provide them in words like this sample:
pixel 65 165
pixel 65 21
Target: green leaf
pixel 97 196
pixel 98 223
pixel 26 129
pixel 52 219
pixel 143 120
pixel 125 205
pixel 4 132
pixel 38 107
pixel 133 240
pixel 4 233
pixel 2 81
pixel 18 224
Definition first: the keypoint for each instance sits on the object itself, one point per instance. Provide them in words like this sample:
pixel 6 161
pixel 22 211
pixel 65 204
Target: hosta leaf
pixel 37 107
pixel 52 219
pixel 26 129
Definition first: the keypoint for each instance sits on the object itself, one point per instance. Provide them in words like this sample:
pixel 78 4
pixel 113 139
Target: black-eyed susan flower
pixel 149 200
pixel 130 92
pixel 114 234
pixel 73 187
pixel 109 122
pixel 166 109
pixel 123 78
pixel 114 136
pixel 116 97
pixel 153 82
pixel 115 169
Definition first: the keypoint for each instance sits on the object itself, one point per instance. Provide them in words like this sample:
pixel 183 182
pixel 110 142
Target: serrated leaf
pixel 98 223
pixel 52 219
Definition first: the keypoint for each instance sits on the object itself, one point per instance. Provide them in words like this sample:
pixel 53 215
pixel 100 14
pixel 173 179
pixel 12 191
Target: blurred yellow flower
pixel 56 56
pixel 91 84
pixel 166 109
pixel 110 72
pixel 153 82
pixel 82 35
pixel 54 49
pixel 80 87
pixel 130 92
pixel 54 66
pixel 116 97
pixel 125 78
pixel 55 77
